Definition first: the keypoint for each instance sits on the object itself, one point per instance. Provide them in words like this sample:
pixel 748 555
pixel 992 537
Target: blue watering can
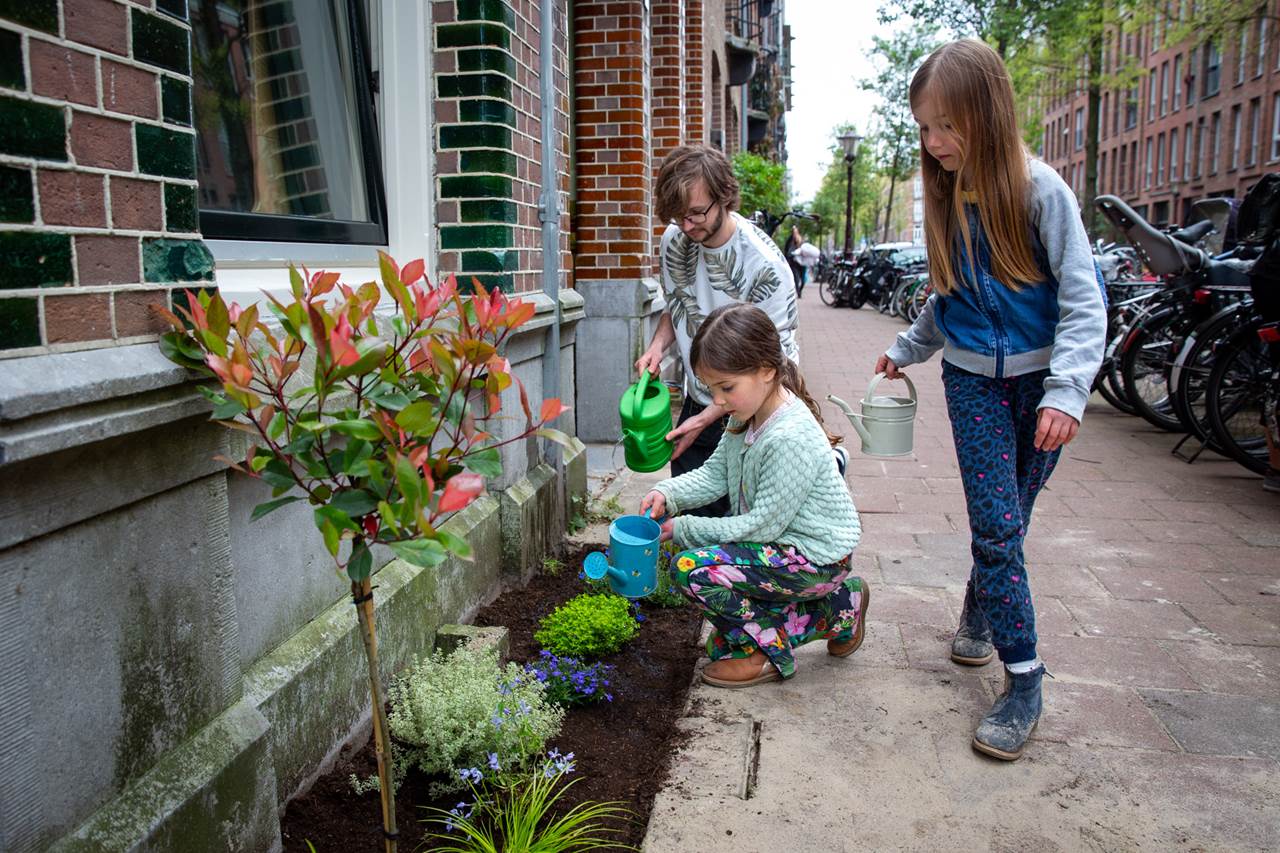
pixel 631 564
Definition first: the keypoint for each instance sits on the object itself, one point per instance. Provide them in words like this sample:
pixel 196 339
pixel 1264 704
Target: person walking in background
pixel 710 256
pixel 775 574
pixel 798 271
pixel 1018 311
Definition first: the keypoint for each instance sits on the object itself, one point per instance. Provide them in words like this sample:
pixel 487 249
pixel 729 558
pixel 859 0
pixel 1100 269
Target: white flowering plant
pixel 461 711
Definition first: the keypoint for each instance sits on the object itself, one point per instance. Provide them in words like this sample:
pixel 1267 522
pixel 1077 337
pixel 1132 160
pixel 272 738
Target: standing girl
pixel 774 574
pixel 1018 311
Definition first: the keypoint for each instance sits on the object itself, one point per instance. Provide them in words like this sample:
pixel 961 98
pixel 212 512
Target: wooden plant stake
pixel 362 597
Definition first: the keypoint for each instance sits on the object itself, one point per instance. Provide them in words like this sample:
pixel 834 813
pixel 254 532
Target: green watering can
pixel 885 423
pixel 645 410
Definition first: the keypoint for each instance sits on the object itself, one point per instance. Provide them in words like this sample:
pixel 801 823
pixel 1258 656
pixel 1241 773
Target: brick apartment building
pixel 163 683
pixel 1202 121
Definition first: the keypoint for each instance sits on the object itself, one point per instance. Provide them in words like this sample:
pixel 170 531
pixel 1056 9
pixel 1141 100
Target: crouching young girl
pixel 775 574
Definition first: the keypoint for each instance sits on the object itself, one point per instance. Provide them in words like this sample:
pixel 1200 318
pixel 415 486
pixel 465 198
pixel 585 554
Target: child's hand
pixel 887 367
pixel 1054 429
pixel 668 530
pixel 654 504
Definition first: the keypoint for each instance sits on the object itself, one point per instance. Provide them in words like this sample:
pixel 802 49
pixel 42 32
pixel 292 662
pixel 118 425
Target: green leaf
pixel 408 480
pixel 457 545
pixel 555 435
pixel 487 462
pixel 276 473
pixel 360 566
pixel 275 429
pixel 227 409
pixel 332 538
pixel 178 349
pixel 456 408
pixel 389 516
pixel 270 506
pixel 366 430
pixel 387 397
pixel 354 457
pixel 421 552
pixel 302 443
pixel 295 282
pixel 417 417
pixel 354 502
pixel 377 474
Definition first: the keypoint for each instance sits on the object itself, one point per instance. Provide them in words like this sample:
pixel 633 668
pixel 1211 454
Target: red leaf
pixel 461 490
pixel 412 271
pixel 552 409
pixel 323 283
pixel 524 402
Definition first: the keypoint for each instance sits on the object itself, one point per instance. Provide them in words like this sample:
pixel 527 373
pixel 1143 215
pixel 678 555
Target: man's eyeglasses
pixel 697 217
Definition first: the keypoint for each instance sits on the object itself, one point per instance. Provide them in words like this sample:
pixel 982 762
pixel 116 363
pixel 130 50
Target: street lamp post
pixel 1175 215
pixel 849 145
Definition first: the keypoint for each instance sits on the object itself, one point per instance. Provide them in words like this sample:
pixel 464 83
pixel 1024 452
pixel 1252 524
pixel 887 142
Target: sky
pixel 828 57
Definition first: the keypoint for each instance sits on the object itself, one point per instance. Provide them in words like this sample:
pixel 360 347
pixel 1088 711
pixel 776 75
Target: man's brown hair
pixel 686 165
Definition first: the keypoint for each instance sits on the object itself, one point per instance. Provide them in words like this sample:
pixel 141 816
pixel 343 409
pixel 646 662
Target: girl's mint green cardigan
pixel 784 487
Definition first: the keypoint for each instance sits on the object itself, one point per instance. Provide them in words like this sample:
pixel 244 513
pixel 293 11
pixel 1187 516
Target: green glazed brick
pixel 475 136
pixel 19 322
pixel 493 112
pixel 475 86
pixel 12 74
pixel 176 8
pixel 180 213
pixel 28 129
pixel 474 236
pixel 34 259
pixel 475 186
pixel 37 14
pixel 161 43
pixel 175 98
pixel 487 59
pixel 466 282
pixel 471 35
pixel 488 160
pixel 486 10
pixel 496 261
pixel 17 202
pixel 165 152
pixel 164 259
pixel 488 211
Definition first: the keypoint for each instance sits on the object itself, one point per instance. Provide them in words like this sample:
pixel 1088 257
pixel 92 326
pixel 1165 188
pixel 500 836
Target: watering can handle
pixel 641 387
pixel 911 389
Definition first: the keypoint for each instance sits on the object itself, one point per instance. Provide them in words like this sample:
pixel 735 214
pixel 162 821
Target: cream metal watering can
pixel 885 423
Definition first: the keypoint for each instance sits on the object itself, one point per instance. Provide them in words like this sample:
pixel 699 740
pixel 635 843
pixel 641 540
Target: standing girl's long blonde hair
pixel 968 82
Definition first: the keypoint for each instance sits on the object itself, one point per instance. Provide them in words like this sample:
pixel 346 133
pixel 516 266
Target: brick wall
pixel 98 215
pixel 669 87
pixel 489 140
pixel 696 74
pixel 612 99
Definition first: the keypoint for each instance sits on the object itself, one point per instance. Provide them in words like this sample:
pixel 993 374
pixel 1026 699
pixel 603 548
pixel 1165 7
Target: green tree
pixel 1004 24
pixel 829 201
pixel 897 142
pixel 763 183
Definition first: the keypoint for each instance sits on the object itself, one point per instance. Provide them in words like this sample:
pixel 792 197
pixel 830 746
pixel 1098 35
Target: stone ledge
pixel 450 637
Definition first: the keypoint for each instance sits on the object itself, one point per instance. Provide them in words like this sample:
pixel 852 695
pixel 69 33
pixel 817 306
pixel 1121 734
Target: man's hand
pixel 887 367
pixel 1055 429
pixel 650 360
pixel 692 427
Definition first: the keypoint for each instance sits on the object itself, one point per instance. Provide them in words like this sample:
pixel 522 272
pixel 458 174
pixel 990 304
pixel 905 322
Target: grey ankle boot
pixel 971 645
pixel 1003 732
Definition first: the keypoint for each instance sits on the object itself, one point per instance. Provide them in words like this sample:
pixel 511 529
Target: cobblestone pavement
pixel 1157 592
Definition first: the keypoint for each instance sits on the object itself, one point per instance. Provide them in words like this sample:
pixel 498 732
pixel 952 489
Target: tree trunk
pixel 1090 211
pixel 362 596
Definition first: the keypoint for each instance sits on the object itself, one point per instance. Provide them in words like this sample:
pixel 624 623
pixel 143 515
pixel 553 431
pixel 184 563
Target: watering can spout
pixel 854 417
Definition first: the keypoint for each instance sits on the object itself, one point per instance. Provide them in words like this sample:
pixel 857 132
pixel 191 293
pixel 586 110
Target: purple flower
pixel 493 761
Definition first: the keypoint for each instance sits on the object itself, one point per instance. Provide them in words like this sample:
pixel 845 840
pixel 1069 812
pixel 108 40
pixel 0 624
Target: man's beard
pixel 713 230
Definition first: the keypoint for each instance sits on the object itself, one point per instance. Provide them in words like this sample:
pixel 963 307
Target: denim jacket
pixel 990 329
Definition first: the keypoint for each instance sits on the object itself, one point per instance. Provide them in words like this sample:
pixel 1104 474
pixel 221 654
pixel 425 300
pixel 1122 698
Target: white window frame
pixel 1242 56
pixel 244 268
pixel 1188 151
pixel 1149 165
pixel 1215 143
pixel 1151 95
pixel 1079 121
pixel 1177 82
pixel 1164 88
pixel 1173 155
pixel 1234 159
pixel 1255 115
pixel 1275 127
pixel 1160 143
pixel 1261 64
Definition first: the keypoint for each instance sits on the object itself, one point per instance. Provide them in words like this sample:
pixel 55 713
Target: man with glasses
pixel 710 256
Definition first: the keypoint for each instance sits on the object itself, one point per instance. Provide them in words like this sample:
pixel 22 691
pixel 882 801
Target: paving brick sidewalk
pixel 1157 590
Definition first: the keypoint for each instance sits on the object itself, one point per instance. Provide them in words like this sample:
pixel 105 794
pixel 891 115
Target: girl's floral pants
pixel 770 597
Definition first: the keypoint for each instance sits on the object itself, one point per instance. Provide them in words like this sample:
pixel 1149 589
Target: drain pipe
pixel 549 208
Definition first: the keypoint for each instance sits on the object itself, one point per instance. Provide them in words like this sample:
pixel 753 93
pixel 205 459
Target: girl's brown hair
pixel 740 338
pixel 968 83
pixel 686 165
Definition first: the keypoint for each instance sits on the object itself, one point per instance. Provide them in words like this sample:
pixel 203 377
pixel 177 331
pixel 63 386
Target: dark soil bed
pixel 622 748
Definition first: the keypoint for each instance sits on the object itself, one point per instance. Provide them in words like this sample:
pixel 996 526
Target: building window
pixel 1201 147
pixel 1151 95
pixel 1242 54
pixel 288 98
pixel 1131 109
pixel 1160 160
pixel 1177 83
pixel 1191 76
pixel 1255 107
pixel 1079 128
pixel 1173 155
pixel 1149 162
pixel 1133 166
pixel 1234 158
pixel 1215 143
pixel 1260 65
pixel 1275 126
pixel 1101 178
pixel 1164 88
pixel 1124 169
pixel 1212 70
pixel 1187 151
pixel 1102 114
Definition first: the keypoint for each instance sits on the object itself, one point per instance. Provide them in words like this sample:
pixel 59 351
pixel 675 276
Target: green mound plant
pixel 587 626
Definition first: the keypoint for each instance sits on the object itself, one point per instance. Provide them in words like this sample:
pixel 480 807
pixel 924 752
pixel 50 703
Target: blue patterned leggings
pixel 994 424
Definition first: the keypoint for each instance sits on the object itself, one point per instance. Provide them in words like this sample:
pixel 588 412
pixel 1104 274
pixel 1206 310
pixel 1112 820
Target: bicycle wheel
pixel 1148 355
pixel 1234 398
pixel 825 292
pixel 1190 373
